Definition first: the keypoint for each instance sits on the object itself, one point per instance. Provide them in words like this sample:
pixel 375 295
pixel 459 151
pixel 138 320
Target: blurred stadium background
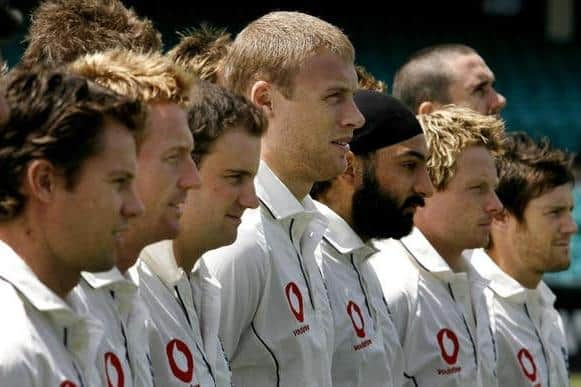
pixel 533 47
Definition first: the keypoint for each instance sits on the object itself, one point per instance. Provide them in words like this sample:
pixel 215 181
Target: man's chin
pixel 169 230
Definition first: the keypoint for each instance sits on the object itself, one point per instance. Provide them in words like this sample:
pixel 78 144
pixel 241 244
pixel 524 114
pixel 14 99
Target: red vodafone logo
pixel 68 383
pixel 180 360
pixel 354 312
pixel 114 370
pixel 449 345
pixel 295 300
pixel 527 364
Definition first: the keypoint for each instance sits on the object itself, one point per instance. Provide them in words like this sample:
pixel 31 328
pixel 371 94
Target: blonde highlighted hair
pixel 453 129
pixel 273 47
pixel 149 77
pixel 202 51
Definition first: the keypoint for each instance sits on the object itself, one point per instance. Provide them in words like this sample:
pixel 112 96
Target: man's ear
pixel 353 175
pixel 40 180
pixel 426 107
pixel 261 94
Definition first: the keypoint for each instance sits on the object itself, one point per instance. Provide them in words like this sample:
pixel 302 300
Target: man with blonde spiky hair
pixel 63 30
pixel 166 173
pixel 201 51
pixel 276 325
pixel 425 276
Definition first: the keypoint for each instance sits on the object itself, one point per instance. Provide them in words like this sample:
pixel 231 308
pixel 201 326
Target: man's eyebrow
pixel 239 171
pixel 124 173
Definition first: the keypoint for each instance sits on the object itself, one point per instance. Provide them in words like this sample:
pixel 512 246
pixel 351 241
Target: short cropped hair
pixel 426 75
pixel 274 46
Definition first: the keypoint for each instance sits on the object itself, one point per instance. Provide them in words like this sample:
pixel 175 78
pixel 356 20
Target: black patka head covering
pixel 387 122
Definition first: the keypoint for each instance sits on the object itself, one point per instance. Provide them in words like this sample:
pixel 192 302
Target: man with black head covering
pixel 375 197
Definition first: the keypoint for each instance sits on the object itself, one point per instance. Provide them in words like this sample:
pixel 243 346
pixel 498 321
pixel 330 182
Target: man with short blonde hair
pixel 276 325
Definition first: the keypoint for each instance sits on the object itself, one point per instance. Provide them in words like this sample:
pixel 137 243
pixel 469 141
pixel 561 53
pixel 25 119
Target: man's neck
pixel 128 254
pixel 47 267
pixel 510 263
pixel 450 253
pixel 186 256
pixel 299 186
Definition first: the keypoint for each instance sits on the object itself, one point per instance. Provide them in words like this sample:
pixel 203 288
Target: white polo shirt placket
pixel 276 324
pixel 528 330
pixel 367 351
pixel 112 299
pixel 44 342
pixel 178 348
pixel 435 315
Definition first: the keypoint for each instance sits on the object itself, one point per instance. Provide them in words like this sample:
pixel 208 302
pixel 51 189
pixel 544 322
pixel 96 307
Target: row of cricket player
pixel 259 211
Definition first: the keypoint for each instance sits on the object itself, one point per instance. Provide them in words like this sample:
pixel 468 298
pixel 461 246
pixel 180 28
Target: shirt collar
pixel 424 253
pixel 160 258
pixel 547 296
pixel 504 285
pixel 14 270
pixel 108 279
pixel 341 236
pixel 277 198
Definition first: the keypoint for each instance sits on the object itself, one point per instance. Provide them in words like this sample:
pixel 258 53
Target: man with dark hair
pixel 447 74
pixel 376 197
pixel 529 238
pixel 201 51
pixel 63 30
pixel 67 164
pixel 185 304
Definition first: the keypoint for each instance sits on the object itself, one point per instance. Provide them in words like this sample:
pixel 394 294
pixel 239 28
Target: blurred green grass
pixel 576 380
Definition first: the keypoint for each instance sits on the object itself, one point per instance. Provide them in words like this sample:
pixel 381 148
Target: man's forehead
pixel 470 66
pixel 558 196
pixel 329 70
pixel 414 147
